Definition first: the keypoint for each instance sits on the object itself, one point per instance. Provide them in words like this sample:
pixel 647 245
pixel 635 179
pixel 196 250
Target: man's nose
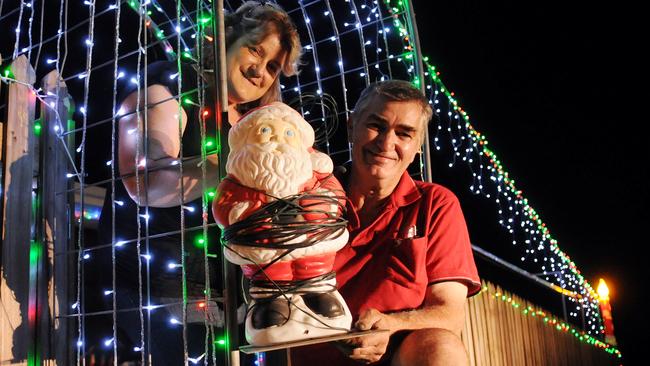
pixel 386 141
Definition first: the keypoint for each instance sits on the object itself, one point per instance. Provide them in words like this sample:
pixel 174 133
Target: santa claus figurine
pixel 280 210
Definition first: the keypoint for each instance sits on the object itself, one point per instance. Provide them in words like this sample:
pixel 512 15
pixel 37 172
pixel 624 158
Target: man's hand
pixel 370 348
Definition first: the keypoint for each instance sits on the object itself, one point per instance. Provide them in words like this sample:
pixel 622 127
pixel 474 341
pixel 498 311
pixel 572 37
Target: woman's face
pixel 253 69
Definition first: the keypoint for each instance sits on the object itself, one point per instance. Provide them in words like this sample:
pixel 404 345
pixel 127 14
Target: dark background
pixel 559 91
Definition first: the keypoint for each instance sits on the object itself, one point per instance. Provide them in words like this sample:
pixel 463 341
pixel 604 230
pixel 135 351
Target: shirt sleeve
pixel 449 252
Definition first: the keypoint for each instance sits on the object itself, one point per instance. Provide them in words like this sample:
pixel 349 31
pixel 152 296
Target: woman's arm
pixel 164 187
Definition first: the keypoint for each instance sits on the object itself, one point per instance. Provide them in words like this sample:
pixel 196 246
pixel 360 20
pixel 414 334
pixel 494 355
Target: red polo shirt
pixel 420 238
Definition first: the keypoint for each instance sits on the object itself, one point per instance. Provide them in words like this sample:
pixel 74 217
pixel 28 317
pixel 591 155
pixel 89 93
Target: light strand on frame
pixel 17 30
pixel 116 53
pixel 179 84
pixel 203 114
pixel 144 347
pixel 314 53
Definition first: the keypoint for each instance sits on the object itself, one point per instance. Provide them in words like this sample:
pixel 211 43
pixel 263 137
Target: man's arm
pixel 444 307
pixel 164 144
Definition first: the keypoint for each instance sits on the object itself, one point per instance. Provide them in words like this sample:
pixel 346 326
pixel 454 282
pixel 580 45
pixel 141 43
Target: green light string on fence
pixel 552 321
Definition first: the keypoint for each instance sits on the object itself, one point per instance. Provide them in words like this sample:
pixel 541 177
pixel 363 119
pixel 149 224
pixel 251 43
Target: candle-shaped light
pixel 606 311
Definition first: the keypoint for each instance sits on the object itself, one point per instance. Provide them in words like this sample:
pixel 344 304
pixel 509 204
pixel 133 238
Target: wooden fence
pixel 504 329
pixel 36 216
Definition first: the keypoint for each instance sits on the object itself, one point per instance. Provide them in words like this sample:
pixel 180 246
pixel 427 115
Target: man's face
pixel 385 137
pixel 274 130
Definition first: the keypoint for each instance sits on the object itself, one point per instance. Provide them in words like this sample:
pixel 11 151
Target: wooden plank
pixel 482 341
pixel 16 234
pixel 56 215
pixel 503 329
pixel 466 334
pixel 495 354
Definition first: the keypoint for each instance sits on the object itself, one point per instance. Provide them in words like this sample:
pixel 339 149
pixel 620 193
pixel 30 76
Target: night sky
pixel 557 90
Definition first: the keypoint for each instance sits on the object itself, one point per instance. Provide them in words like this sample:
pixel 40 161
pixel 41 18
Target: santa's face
pixel 273 159
pixel 274 130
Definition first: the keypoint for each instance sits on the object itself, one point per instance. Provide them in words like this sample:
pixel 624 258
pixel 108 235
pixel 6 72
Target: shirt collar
pixel 405 193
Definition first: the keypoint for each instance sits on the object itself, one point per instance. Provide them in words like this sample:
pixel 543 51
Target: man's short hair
pixel 396 91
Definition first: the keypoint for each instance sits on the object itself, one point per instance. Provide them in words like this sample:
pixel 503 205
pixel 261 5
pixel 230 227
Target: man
pixel 408 266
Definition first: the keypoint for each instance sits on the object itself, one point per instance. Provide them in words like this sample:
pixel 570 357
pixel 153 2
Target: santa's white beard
pixel 262 167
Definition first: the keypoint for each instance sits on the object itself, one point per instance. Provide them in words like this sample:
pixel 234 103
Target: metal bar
pixel 413 30
pixel 493 258
pixel 229 293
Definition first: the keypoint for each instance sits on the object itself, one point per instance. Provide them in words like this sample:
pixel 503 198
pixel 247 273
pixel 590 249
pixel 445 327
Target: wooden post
pixel 57 211
pixel 16 217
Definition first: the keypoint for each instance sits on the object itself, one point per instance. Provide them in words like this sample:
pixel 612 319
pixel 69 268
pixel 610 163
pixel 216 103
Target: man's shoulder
pixel 435 191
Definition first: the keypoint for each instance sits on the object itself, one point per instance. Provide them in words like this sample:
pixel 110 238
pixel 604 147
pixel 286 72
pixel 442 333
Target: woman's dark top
pixel 164 223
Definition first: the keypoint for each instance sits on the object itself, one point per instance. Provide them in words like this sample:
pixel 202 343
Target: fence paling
pixel 57 213
pixel 18 167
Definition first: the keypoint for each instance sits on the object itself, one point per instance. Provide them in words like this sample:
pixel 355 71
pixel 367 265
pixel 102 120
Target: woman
pixel 261 43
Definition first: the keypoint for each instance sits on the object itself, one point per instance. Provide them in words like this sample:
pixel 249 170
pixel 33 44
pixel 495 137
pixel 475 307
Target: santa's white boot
pixel 316 310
